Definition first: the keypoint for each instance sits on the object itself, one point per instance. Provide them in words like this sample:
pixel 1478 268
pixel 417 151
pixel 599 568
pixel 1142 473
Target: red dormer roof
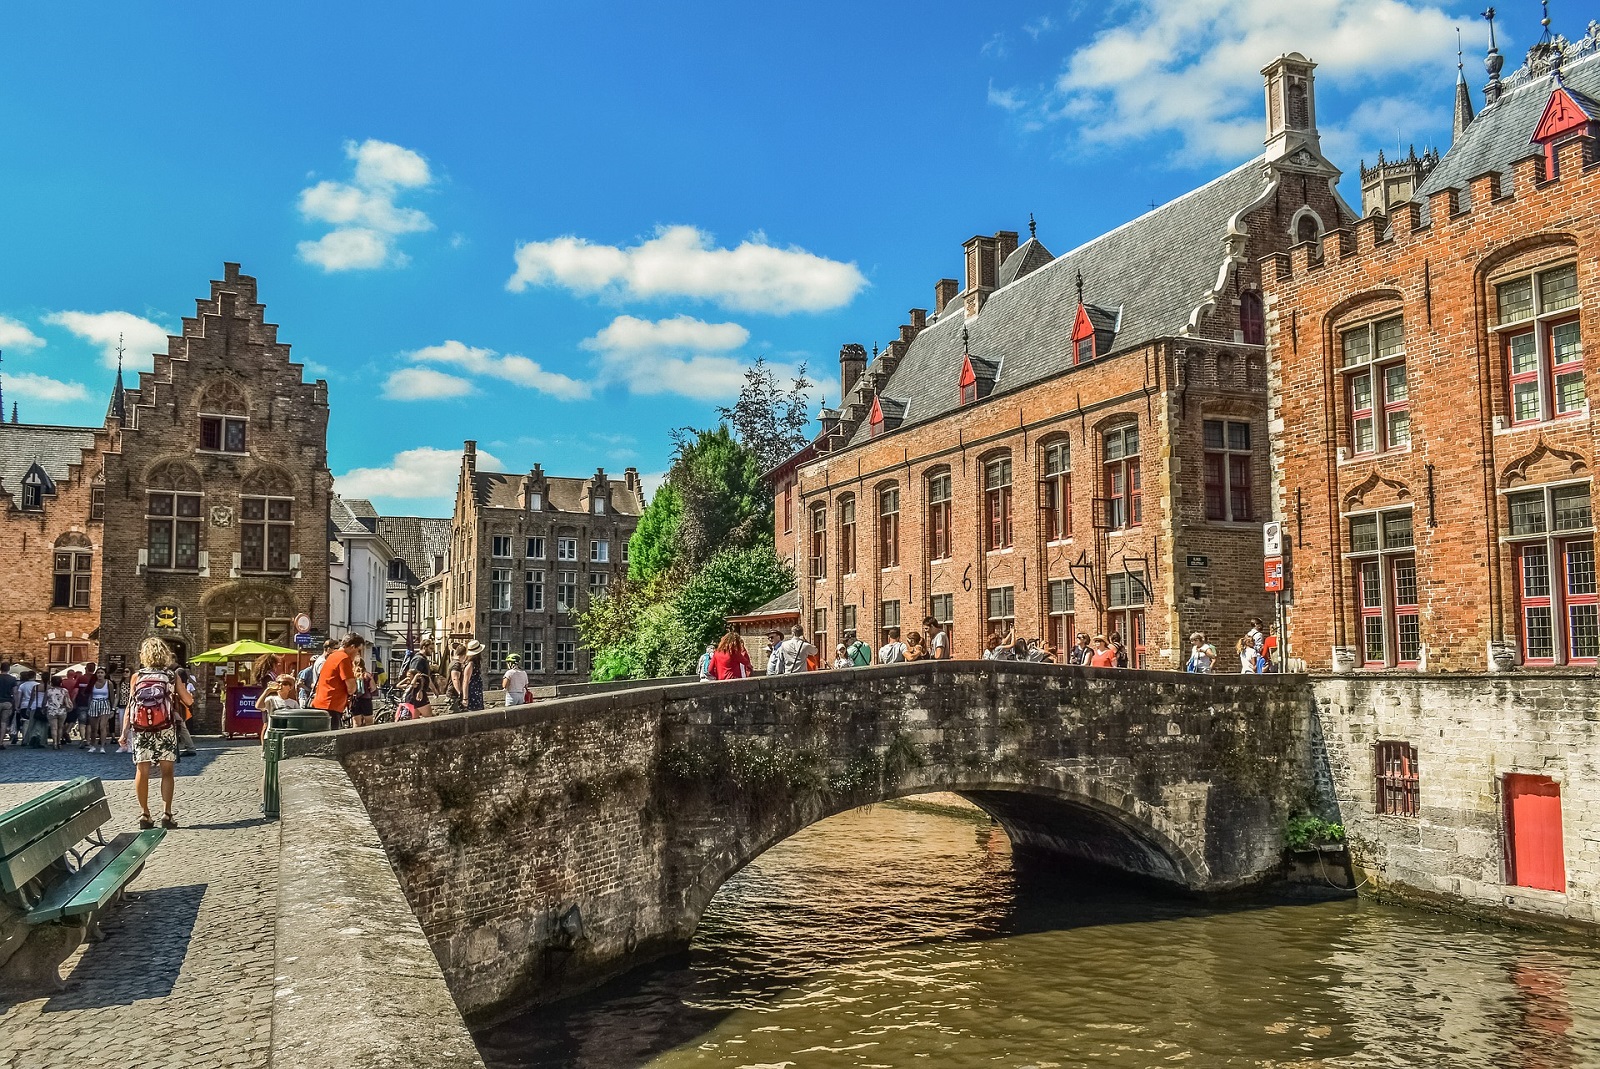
pixel 877 411
pixel 1082 327
pixel 968 376
pixel 1564 112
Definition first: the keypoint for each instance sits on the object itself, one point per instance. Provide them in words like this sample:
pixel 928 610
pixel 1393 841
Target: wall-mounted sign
pixel 166 616
pixel 302 624
pixel 1272 539
pixel 1274 570
pixel 1197 561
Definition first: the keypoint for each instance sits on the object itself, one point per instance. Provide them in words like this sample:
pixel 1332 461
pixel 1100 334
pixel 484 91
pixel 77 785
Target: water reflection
pixel 895 937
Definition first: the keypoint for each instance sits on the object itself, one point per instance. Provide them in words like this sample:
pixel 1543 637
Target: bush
pixel 1306 832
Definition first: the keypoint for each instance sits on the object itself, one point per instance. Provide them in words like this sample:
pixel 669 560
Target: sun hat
pixel 474 648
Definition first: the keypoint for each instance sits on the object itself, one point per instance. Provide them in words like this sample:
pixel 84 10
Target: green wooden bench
pixel 57 876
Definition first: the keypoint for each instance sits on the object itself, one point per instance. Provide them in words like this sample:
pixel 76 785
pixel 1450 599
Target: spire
pixel 1033 227
pixel 13 412
pixel 2 395
pixel 1463 95
pixel 118 409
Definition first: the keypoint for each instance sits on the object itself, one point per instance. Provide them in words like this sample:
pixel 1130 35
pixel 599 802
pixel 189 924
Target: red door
pixel 1533 832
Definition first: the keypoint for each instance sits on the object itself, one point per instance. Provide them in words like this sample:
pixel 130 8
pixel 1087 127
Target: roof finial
pixel 1080 287
pixel 1461 67
pixel 1492 62
pixel 2 393
pixel 1545 21
pixel 965 351
pixel 874 350
pixel 1033 228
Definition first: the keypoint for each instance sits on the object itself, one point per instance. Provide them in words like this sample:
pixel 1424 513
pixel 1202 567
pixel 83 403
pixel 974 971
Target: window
pixel 1384 568
pixel 1062 629
pixel 599 506
pixel 1227 470
pixel 1552 530
pixel 536 502
pixel 1002 603
pixel 1534 854
pixel 819 542
pixel 847 535
pixel 969 392
pixel 1373 357
pixel 888 616
pixel 533 592
pixel 566 591
pixel 566 650
pixel 847 621
pixel 599 551
pixel 223 434
pixel 788 507
pixel 1083 349
pixel 71 580
pixel 1123 507
pixel 939 516
pixel 499 589
pixel 533 655
pixel 997 503
pixel 391 610
pixel 1125 600
pixel 173 522
pixel 501 546
pixel 97 504
pixel 597 584
pixel 1252 320
pixel 1055 492
pixel 1538 328
pixel 266 532
pixel 889 527
pixel 624 547
pixel 499 646
pixel 32 496
pixel 536 548
pixel 819 632
pixel 1394 764
pixel 566 549
pixel 942 607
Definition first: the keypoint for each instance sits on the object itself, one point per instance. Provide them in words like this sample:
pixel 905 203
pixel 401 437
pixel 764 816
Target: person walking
pixel 515 681
pixel 938 639
pixel 82 698
pixel 472 676
pixel 704 667
pixel 155 740
pixel 96 724
pixel 336 683
pixel 915 650
pixel 893 651
pixel 731 660
pixel 797 652
pixel 184 693
pixel 1202 654
pixel 1249 658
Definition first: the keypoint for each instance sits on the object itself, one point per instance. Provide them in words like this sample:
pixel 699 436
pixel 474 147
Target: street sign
pixel 1197 561
pixel 302 624
pixel 303 640
pixel 1274 570
pixel 1272 539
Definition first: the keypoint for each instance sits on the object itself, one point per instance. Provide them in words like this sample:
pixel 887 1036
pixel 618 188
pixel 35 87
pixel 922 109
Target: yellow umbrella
pixel 237 651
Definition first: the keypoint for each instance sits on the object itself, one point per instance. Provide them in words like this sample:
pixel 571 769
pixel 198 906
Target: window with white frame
pixel 499 647
pixel 1227 470
pixel 1126 593
pixel 1383 569
pixel 1124 500
pixel 72 572
pixel 566 591
pixel 533 655
pixel 499 589
pixel 536 548
pixel 597 583
pixel 599 551
pixel 1373 359
pixel 566 650
pixel 500 546
pixel 1537 321
pixel 997 503
pixel 535 502
pixel 1552 536
pixel 566 549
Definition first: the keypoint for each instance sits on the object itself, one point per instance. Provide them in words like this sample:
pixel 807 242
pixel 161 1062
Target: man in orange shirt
pixel 337 681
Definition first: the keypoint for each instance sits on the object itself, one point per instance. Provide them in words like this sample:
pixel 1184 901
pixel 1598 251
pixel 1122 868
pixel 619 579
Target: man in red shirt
pixel 337 681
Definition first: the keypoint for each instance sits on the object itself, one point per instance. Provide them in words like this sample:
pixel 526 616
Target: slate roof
pixel 416 540
pixel 784 605
pixel 343 519
pixel 502 491
pixel 1148 275
pixel 1502 132
pixel 1028 258
pixel 55 449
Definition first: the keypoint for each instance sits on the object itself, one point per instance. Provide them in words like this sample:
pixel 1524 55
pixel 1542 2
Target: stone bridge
pixel 547 847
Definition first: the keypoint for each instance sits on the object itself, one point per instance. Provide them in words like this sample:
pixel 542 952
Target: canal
pixel 901 935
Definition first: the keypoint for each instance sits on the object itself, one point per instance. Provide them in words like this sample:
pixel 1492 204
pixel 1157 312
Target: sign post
pixel 1274 543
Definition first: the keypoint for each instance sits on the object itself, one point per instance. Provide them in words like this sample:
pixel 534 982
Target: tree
pixel 769 420
pixel 731 583
pixel 726 502
pixel 653 549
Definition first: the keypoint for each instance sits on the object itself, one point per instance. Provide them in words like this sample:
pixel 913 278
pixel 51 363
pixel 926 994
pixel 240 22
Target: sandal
pixel 167 821
pixel 145 823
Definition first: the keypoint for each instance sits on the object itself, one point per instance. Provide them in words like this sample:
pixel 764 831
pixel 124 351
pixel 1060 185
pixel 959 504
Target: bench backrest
pixel 41 830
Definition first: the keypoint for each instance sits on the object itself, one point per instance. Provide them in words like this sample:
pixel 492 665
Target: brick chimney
pixel 469 454
pixel 984 256
pixel 852 362
pixel 944 291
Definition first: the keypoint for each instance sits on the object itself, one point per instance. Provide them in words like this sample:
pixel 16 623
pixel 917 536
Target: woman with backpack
pixel 151 711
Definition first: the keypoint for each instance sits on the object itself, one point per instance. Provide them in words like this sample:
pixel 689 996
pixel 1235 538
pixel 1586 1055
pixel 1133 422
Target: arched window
pixel 847 534
pixel 172 517
pixel 224 417
pixel 939 514
pixel 1055 490
pixel 889 527
pixel 1252 320
pixel 997 502
pixel 819 541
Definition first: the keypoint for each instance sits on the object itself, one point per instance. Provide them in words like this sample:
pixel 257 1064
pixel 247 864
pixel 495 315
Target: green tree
pixel 726 502
pixel 731 583
pixel 767 419
pixel 653 549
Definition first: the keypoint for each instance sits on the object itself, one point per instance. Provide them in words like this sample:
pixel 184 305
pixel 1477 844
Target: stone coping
pixel 337 745
pixel 357 985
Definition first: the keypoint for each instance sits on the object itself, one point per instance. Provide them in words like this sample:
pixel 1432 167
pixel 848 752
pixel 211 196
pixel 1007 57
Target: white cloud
pixel 1009 99
pixel 631 334
pixel 15 335
pixel 680 355
pixel 682 261
pixel 414 473
pixel 1037 28
pixel 138 336
pixel 1190 72
pixel 42 388
pixel 366 220
pixel 424 384
pixel 510 368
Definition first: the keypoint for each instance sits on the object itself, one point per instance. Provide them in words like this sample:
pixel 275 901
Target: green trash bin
pixel 281 725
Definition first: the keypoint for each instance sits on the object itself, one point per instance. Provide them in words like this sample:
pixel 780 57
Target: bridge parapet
pixel 547 847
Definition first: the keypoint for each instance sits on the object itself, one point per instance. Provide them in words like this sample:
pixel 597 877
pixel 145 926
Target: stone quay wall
pixel 545 848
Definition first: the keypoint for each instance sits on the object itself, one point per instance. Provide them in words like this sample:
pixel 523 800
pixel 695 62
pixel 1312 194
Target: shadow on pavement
pixel 147 939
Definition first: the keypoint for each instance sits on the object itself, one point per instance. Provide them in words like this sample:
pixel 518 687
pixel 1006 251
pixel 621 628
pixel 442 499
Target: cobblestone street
pixel 184 977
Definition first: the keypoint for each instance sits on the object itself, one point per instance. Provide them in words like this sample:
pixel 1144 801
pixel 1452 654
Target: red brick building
pixel 1071 442
pixel 1432 406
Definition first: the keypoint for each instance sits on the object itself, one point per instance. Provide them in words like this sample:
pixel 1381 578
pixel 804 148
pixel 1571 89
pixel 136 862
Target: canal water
pixel 901 936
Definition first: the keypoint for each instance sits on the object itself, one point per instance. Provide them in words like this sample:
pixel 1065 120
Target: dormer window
pixel 977 378
pixel 223 434
pixel 885 415
pixel 599 506
pixel 32 498
pixel 535 502
pixel 1085 346
pixel 1565 117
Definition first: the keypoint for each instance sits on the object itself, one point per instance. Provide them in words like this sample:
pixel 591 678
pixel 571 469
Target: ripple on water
pixel 894 938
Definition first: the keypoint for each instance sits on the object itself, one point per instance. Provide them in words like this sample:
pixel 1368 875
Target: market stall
pixel 237 687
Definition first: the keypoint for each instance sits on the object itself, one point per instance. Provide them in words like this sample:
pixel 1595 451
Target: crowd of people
pixel 729 659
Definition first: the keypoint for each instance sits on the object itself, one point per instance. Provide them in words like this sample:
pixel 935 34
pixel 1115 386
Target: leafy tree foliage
pixel 726 503
pixel 769 420
pixel 653 549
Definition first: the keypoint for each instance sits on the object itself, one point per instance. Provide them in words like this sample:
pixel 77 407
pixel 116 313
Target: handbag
pixel 404 711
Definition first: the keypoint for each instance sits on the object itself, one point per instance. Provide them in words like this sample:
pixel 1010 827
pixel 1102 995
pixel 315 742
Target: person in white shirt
pixel 796 651
pixel 893 651
pixel 774 652
pixel 515 680
pixel 938 639
pixel 1202 654
pixel 841 659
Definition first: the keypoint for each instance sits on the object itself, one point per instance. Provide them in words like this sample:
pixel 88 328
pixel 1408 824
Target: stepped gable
pixel 57 450
pixel 1150 273
pixel 1501 133
pixel 499 490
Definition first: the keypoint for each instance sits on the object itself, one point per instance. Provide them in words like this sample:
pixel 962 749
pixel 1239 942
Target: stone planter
pixel 1344 659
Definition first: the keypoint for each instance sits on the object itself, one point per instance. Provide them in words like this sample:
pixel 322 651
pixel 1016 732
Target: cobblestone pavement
pixel 183 979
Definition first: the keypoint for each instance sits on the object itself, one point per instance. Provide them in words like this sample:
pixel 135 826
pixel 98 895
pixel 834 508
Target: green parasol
pixel 236 651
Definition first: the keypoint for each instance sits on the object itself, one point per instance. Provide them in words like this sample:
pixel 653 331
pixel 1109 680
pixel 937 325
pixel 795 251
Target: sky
pixel 566 230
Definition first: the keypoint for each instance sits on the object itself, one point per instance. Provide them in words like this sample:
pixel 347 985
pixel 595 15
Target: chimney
pixel 1291 107
pixel 852 362
pixel 469 454
pixel 944 291
pixel 919 318
pixel 1007 240
pixel 983 271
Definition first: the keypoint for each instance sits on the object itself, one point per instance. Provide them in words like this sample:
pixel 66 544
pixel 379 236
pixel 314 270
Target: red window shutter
pixel 1533 832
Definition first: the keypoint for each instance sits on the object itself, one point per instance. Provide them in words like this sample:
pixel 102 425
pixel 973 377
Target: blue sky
pixel 562 230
